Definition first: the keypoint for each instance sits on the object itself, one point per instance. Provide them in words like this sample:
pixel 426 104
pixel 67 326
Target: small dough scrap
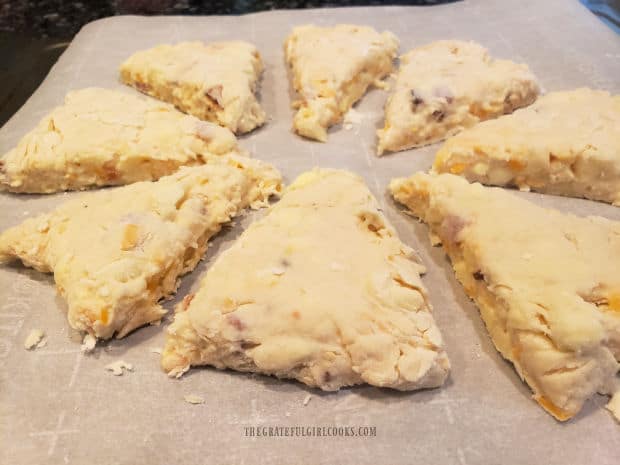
pixel 116 253
pixel 214 82
pixel 35 340
pixel 331 68
pixel 88 343
pixel 546 283
pixel 447 86
pixel 566 143
pixel 352 118
pixel 193 399
pixel 119 367
pixel 367 321
pixel 614 406
pixel 102 137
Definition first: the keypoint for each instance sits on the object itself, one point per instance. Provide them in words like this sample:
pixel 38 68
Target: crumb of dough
pixel 155 350
pixel 35 340
pixel 307 400
pixel 119 367
pixel 178 372
pixel 88 343
pixel 193 399
pixel 614 406
pixel 352 118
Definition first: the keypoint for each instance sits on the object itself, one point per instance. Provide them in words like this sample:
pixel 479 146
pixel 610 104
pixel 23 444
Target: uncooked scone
pixel 116 253
pixel 566 143
pixel 447 86
pixel 546 283
pixel 215 82
pixel 331 68
pixel 320 290
pixel 102 137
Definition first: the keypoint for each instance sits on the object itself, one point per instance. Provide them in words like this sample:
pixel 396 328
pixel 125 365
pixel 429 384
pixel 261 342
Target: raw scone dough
pixel 321 290
pixel 214 82
pixel 567 143
pixel 331 68
pixel 104 137
pixel 116 253
pixel 546 283
pixel 447 86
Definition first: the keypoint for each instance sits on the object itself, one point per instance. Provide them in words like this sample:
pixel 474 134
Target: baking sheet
pixel 58 406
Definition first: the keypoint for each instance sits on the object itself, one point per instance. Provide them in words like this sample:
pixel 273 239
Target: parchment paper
pixel 58 406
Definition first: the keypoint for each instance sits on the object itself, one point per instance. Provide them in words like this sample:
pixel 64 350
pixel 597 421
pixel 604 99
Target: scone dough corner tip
pixel 214 81
pixel 565 143
pixel 446 86
pixel 331 68
pixel 545 282
pixel 116 253
pixel 103 137
pixel 324 293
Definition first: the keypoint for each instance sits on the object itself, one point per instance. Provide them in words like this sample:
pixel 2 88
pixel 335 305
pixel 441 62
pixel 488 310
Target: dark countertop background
pixel 63 19
pixel 33 34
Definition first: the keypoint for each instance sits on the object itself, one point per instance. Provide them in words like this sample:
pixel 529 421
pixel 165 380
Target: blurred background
pixel 33 34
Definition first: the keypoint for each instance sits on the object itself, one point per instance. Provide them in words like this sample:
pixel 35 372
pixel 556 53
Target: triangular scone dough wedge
pixel 320 290
pixel 331 68
pixel 566 143
pixel 103 137
pixel 116 253
pixel 447 86
pixel 546 283
pixel 215 82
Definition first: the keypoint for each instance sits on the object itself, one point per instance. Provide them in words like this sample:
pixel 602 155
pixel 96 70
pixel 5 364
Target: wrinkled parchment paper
pixel 58 406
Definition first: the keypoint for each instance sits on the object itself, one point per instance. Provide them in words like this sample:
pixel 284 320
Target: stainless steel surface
pixel 58 406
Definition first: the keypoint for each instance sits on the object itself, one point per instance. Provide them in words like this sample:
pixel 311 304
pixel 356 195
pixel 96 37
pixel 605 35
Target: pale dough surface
pixel 321 290
pixel 102 137
pixel 215 82
pixel 546 283
pixel 566 143
pixel 447 86
pixel 116 253
pixel 331 69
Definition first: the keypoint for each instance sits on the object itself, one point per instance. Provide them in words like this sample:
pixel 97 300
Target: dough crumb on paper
pixel 178 372
pixel 307 400
pixel 35 340
pixel 352 118
pixel 88 343
pixel 119 367
pixel 614 406
pixel 193 399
